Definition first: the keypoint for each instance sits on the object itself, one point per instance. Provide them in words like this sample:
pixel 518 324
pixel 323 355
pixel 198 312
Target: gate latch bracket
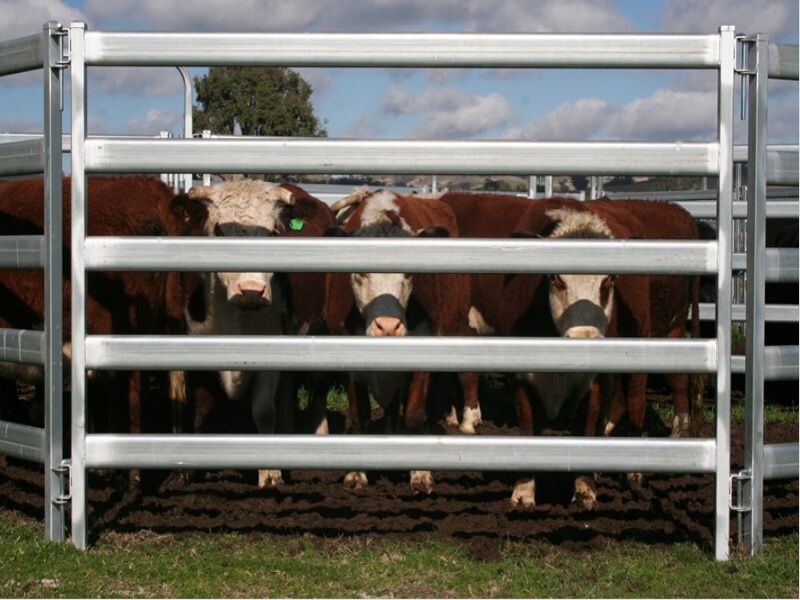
pixel 64 470
pixel 739 478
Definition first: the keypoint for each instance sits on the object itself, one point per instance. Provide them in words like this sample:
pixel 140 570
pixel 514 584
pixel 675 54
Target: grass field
pixel 152 565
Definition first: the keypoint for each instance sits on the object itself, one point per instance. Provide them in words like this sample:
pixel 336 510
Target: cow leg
pixel 524 493
pixel 585 424
pixel 359 413
pixel 617 406
pixel 318 406
pixel 416 409
pixel 637 388
pixel 134 420
pixel 472 408
pixel 679 384
pixel 265 415
pixel 452 417
pixel 177 397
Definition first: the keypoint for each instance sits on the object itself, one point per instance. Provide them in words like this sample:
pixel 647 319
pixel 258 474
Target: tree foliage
pixel 265 101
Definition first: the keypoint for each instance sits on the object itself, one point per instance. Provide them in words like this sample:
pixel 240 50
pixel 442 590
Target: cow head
pixel 244 208
pixel 381 298
pixel 581 305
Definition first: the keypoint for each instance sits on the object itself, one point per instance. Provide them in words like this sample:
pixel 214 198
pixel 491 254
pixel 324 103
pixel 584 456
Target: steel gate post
pixel 52 37
pixel 727 64
pixel 78 274
pixel 752 487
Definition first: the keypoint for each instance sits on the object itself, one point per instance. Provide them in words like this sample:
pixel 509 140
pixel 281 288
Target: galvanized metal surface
pixel 783 61
pixel 620 355
pixel 727 66
pixel 21 346
pixel 21 158
pixel 54 518
pixel 21 54
pixel 399 452
pixel 403 50
pixel 780 461
pixel 21 251
pixel 780 363
pixel 775 313
pixel 78 286
pixel 779 264
pixel 780 209
pixel 419 157
pixel 400 255
pixel 22 441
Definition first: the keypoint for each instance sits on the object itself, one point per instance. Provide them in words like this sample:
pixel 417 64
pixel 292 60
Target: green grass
pixel 213 565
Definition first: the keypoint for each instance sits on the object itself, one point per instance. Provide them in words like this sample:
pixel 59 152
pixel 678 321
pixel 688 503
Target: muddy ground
pixel 469 507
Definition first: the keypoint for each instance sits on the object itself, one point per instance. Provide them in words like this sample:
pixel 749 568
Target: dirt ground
pixel 469 507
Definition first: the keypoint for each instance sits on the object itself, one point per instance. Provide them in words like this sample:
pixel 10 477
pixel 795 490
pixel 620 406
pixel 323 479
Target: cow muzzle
pixel 583 319
pixel 251 295
pixel 385 316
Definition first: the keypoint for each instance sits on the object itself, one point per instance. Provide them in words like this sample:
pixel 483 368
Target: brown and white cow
pixel 119 303
pixel 396 304
pixel 567 305
pixel 241 303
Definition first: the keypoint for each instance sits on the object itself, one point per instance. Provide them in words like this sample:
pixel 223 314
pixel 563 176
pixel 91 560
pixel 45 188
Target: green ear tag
pixel 296 224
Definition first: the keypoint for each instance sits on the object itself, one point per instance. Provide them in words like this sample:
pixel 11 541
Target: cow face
pixel 581 305
pixel 238 209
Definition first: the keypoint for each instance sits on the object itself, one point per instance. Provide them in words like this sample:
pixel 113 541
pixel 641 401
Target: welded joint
pixel 64 471
pixel 740 477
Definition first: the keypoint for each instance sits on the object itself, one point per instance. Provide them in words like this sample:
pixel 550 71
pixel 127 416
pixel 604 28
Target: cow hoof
pixel 421 481
pixel 680 426
pixel 452 418
pixel 585 496
pixel 269 478
pixel 524 494
pixel 636 481
pixel 355 480
pixel 471 419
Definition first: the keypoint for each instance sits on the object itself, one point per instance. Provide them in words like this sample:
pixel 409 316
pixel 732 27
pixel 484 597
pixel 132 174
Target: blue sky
pixel 424 103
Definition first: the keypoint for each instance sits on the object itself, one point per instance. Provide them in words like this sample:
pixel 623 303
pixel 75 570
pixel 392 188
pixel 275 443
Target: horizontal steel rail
pixel 21 346
pixel 22 441
pixel 491 453
pixel 783 61
pixel 21 158
pixel 781 264
pixel 403 50
pixel 780 461
pixel 432 255
pixel 775 313
pixel 21 54
pixel 707 209
pixel 418 157
pixel 399 354
pixel 781 162
pixel 21 251
pixel 780 363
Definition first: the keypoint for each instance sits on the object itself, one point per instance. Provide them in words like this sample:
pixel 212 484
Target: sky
pixel 544 104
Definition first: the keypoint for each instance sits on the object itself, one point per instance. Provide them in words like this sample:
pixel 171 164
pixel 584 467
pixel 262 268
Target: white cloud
pixel 777 18
pixel 578 120
pixel 26 17
pixel 153 122
pixel 450 113
pixel 361 15
pixel 147 81
pixel 21 126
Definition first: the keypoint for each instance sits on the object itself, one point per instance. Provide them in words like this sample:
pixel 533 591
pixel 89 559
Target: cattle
pixel 119 303
pixel 397 304
pixel 252 303
pixel 558 305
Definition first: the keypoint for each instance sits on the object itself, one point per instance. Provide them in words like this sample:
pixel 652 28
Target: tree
pixel 265 101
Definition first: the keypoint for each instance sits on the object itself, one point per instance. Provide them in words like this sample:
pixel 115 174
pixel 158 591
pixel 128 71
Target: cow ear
pixel 336 232
pixel 190 213
pixel 435 231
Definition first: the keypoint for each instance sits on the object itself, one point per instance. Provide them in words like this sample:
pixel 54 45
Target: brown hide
pixel 443 296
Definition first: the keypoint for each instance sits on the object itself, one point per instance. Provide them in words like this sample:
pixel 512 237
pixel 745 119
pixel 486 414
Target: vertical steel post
pixel 753 486
pixel 187 117
pixel 78 274
pixel 53 375
pixel 727 64
pixel 532 185
pixel 548 186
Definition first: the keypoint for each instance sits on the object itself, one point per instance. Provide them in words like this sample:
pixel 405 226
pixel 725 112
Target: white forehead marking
pixel 248 202
pixel 376 207
pixel 572 222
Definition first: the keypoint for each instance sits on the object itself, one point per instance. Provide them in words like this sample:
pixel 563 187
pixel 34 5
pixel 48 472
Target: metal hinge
pixel 64 46
pixel 64 470
pixel 739 477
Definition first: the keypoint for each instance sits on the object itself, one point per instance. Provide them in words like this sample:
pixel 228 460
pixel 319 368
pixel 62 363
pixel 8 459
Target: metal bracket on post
pixel 744 42
pixel 739 477
pixel 64 472
pixel 63 62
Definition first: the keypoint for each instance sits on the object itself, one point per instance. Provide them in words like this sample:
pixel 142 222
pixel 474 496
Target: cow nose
pixel 583 332
pixel 388 326
pixel 250 289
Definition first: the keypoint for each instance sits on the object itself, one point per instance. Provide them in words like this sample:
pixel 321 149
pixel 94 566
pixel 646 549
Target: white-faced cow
pixel 396 304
